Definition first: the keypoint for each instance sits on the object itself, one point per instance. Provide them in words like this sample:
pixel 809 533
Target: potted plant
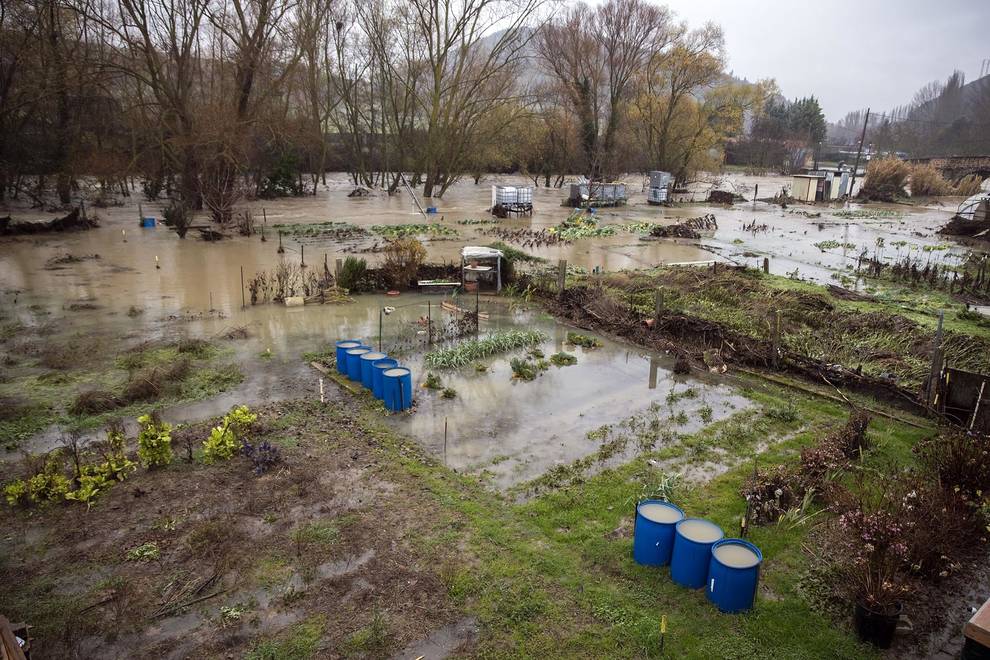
pixel 872 557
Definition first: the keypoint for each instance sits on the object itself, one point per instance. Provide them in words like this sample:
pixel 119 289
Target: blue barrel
pixel 148 222
pixel 653 534
pixel 378 368
pixel 354 361
pixel 397 385
pixel 693 540
pixel 733 575
pixel 367 361
pixel 342 347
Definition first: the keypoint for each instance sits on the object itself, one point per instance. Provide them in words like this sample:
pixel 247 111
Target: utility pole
pixel 859 152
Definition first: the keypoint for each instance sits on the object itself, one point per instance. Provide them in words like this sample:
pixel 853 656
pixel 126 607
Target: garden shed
pixel 481 268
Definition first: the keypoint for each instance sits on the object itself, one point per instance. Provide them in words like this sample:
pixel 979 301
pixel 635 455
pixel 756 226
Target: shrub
pixel 351 273
pixel 449 393
pixel 154 441
pixel 240 419
pixel 851 440
pixel 403 257
pixel 433 382
pixel 969 185
pixel 221 445
pixel 769 492
pixel 958 462
pixel 91 483
pixel 885 179
pixel 16 492
pixel 927 181
pixel 92 402
pixel 523 369
pixel 178 217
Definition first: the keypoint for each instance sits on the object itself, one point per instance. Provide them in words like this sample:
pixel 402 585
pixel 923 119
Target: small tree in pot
pixel 871 552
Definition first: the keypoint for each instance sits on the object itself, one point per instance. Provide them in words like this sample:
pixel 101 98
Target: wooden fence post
pixel 561 276
pixel 936 368
pixel 766 265
pixel 659 309
pixel 775 339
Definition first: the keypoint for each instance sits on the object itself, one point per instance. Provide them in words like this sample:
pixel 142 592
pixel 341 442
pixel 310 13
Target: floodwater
pixel 149 284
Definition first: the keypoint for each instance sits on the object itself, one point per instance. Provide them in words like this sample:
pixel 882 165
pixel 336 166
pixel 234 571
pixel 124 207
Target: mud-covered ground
pixel 333 539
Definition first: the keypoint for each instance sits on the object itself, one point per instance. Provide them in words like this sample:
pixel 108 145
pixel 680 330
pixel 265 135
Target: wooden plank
pixel 978 627
pixel 9 647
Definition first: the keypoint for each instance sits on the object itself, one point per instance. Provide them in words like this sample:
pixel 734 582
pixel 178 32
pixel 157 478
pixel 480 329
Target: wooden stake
pixel 936 367
pixel 775 339
pixel 766 265
pixel 243 303
pixel 445 441
pixel 658 302
pixel 561 276
pixel 322 400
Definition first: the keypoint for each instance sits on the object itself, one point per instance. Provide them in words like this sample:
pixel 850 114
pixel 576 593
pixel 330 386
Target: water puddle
pixel 442 642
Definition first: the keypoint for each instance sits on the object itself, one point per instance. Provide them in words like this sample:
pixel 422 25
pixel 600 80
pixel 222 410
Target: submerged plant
pixel 563 359
pixel 449 393
pixel 432 382
pixel 584 341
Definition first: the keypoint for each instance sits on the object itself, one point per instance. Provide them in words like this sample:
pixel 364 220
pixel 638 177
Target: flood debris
pixel 724 197
pixel 59 262
pixel 690 228
pixel 75 220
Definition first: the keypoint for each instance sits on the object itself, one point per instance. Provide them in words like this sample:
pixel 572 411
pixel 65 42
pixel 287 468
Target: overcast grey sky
pixel 849 54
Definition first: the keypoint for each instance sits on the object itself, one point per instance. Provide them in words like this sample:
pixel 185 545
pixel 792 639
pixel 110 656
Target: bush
pixel 927 181
pixel 770 492
pixel 221 445
pixel 223 441
pixel 154 441
pixel 969 185
pixel 178 217
pixel 851 440
pixel 351 273
pixel 885 179
pixel 16 492
pixel 563 359
pixel 93 402
pixel 958 462
pixel 402 260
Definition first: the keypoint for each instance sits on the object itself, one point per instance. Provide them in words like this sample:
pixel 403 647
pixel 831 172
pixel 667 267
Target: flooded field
pixel 128 285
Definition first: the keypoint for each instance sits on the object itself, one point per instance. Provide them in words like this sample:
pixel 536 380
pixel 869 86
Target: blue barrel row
pixel 698 554
pixel 384 376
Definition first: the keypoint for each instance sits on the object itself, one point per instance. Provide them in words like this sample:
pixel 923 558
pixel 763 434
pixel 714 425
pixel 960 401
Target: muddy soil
pixel 330 536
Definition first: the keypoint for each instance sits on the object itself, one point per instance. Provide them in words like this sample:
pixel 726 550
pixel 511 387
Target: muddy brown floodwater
pixel 507 430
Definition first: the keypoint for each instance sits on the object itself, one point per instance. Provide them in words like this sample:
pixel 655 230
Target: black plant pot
pixel 875 627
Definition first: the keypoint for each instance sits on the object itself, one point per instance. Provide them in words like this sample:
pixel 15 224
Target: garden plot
pixel 509 430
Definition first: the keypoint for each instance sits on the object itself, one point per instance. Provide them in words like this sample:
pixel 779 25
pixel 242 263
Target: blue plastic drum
pixel 653 534
pixel 367 360
pixel 377 376
pixel 693 540
pixel 397 383
pixel 354 362
pixel 733 575
pixel 342 347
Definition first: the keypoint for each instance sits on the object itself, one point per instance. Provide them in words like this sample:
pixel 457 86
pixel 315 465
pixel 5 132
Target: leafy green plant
pixel 91 484
pixel 449 393
pixel 432 382
pixel 563 359
pixel 145 552
pixel 221 445
pixel 16 492
pixel 154 441
pixel 705 413
pixel 523 369
pixel 478 349
pixel 584 341
pixel 240 419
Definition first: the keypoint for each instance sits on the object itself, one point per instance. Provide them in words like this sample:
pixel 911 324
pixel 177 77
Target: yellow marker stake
pixel 663 624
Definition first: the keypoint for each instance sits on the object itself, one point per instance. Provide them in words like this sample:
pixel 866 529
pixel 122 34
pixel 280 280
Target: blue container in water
pixel 367 361
pixel 653 534
pixel 354 361
pixel 733 575
pixel 693 540
pixel 431 210
pixel 378 368
pixel 342 346
pixel 147 223
pixel 397 385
